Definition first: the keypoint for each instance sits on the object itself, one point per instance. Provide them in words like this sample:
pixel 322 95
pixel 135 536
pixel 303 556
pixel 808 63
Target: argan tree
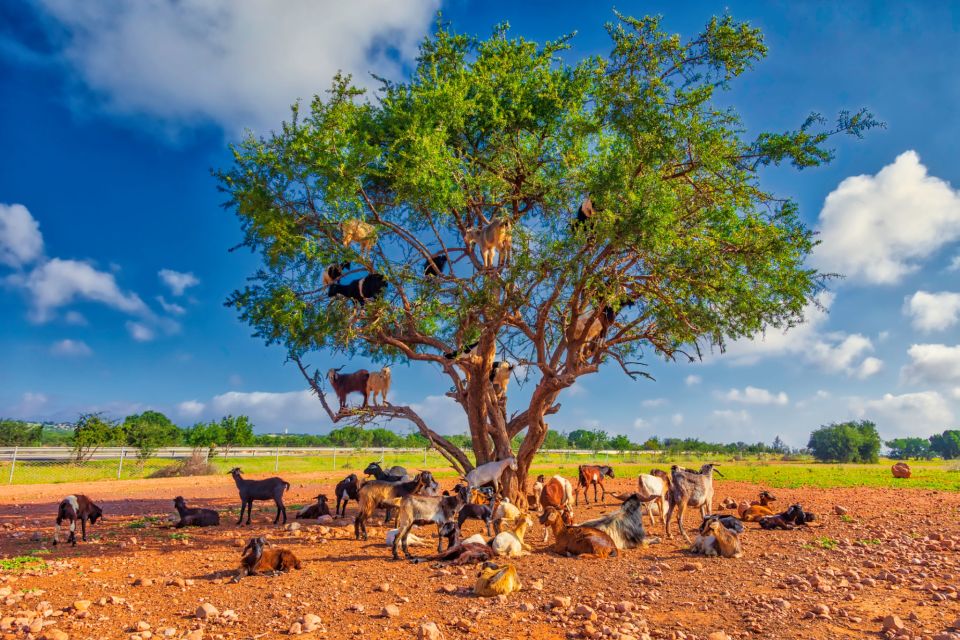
pixel 685 248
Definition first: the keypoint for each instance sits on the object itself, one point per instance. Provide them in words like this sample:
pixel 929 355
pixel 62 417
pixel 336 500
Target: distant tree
pixel 204 435
pixel 846 442
pixel 90 432
pixel 946 444
pixel 621 442
pixel 149 431
pixel 17 433
pixel 593 440
pixel 651 444
pixel 555 440
pixel 237 432
pixel 778 446
pixel 351 436
pixel 906 448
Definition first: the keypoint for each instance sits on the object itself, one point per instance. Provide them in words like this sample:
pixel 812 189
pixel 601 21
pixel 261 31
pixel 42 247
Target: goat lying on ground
pixel 775 522
pixel 709 543
pixel 690 489
pixel 358 231
pixel 73 508
pixel 586 542
pixel 505 514
pixel 758 508
pixel 378 384
pixel 411 538
pixel 360 290
pixel 625 525
pixel 730 522
pixel 269 489
pixel 796 515
pixel 557 493
pixel 587 475
pixel 416 509
pixel 346 383
pixel 469 551
pixel 510 543
pixel 347 489
pixel 314 511
pixel 194 517
pixel 728 542
pixel 496 580
pixel 334 272
pixel 493 238
pixel 257 556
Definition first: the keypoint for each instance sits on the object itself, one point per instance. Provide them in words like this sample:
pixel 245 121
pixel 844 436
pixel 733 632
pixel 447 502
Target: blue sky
pixel 114 260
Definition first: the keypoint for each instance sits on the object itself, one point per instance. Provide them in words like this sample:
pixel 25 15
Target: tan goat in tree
pixel 378 384
pixel 496 237
pixel 358 231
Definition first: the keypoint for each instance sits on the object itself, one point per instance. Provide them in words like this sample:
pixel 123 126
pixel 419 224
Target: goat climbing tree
pixel 684 251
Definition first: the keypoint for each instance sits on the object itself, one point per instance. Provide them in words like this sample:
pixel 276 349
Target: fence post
pixel 13 464
pixel 425 456
pixel 334 458
pixel 123 451
pixel 276 467
pixel 383 455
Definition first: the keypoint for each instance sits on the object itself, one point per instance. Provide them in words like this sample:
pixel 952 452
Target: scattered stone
pixel 143 582
pixel 536 585
pixel 55 634
pixel 390 611
pixel 893 623
pixel 560 602
pixel 840 511
pixel 142 625
pixel 901 470
pixel 36 537
pixel 821 610
pixel 207 611
pixel 293 526
pixel 692 566
pixel 383 587
pixel 429 631
pixel 356 606
pixel 196 634
pixel 295 629
pixel 81 605
pixel 718 635
pixel 310 622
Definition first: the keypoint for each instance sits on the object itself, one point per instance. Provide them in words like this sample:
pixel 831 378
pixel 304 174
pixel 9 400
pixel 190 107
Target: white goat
pixel 510 543
pixel 655 485
pixel 490 473
pixel 493 238
pixel 378 384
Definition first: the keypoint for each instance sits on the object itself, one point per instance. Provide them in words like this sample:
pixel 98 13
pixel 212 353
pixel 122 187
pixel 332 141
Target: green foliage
pixel 204 435
pixel 148 431
pixel 236 431
pixel 90 432
pixel 846 442
pixel 946 444
pixel 22 563
pixel 17 433
pixel 907 448
pixel 505 128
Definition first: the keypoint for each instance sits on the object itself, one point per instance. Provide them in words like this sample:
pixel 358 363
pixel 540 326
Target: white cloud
pixel 57 283
pixel 692 380
pixel 190 408
pixel 955 263
pixel 20 240
pixel 171 307
pixel 876 229
pixel 640 423
pixel 272 409
pixel 236 63
pixel 955 392
pixel 444 415
pixel 936 363
pixel 908 414
pixel 754 395
pixel 140 332
pixel 654 402
pixel 933 311
pixel 730 418
pixel 75 318
pixel 70 348
pixel 834 352
pixel 677 419
pixel 177 282
pixel 30 405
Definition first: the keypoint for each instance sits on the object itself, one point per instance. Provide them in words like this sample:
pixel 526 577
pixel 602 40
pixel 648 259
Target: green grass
pixel 22 563
pixel 765 471
pixel 179 536
pixel 142 523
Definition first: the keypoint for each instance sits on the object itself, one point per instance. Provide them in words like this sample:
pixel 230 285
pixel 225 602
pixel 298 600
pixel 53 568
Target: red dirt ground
pixel 897 553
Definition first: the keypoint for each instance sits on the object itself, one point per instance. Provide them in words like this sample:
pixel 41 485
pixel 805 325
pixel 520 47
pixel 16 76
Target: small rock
pixel 821 610
pixel 718 635
pixel 142 625
pixel 560 602
pixel 310 622
pixel 692 566
pixel 536 585
pixel 143 582
pixel 893 623
pixel 295 629
pixel 207 611
pixel 55 634
pixel 293 526
pixel 390 611
pixel 383 587
pixel 36 537
pixel 429 631
pixel 196 634
pixel 81 605
pixel 840 511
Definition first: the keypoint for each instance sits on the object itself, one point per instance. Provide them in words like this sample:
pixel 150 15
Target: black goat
pixel 732 523
pixel 334 272
pixel 361 289
pixel 269 489
pixel 194 517
pixel 433 266
pixel 462 351
pixel 374 469
pixel 73 508
pixel 775 522
pixel 585 212
pixel 315 510
pixel 347 489
pixel 480 512
pixel 796 515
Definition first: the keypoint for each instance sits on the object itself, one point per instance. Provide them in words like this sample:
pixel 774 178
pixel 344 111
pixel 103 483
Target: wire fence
pixel 41 465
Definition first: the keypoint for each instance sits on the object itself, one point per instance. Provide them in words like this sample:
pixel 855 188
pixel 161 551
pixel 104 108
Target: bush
pixel 195 465
pixel 846 442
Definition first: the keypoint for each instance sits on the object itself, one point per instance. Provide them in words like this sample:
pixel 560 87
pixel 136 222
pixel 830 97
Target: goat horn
pixel 718 472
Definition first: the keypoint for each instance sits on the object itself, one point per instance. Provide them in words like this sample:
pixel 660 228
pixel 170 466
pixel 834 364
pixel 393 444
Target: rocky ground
pixel 888 568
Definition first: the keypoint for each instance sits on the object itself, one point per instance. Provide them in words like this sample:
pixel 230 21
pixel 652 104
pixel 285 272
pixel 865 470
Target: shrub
pixel 195 465
pixel 846 442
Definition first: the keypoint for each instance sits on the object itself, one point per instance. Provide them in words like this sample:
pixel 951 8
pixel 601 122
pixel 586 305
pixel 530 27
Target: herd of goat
pixel 418 501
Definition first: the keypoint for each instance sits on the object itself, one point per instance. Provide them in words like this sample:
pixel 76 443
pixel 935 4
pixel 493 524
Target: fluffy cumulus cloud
pixel 176 281
pixel 70 348
pixel 235 63
pixel 20 240
pixel 909 414
pixel 933 363
pixel 269 410
pixel 831 351
pixel 442 414
pixel 876 229
pixel 730 418
pixel 755 395
pixel 933 311
pixel 692 380
pixel 58 283
pixel 140 331
pixel 190 408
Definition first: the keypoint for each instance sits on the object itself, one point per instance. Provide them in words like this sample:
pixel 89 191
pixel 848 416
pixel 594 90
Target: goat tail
pixel 287 485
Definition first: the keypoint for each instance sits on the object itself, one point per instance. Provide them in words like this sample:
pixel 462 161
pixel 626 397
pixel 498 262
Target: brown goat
pixel 758 509
pixel 257 557
pixel 557 492
pixel 346 383
pixel 728 543
pixel 380 493
pixel 73 508
pixel 585 542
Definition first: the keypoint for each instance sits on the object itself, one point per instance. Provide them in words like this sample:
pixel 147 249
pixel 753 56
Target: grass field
pixel 774 473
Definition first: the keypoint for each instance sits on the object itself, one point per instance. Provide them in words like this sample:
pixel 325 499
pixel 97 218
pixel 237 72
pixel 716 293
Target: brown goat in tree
pixel 346 383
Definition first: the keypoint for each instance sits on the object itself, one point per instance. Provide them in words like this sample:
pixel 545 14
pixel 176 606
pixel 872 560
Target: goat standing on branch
pixel 423 166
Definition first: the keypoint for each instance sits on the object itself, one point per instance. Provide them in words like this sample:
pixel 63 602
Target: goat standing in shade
pixel 690 489
pixel 347 489
pixel 490 473
pixel 269 489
